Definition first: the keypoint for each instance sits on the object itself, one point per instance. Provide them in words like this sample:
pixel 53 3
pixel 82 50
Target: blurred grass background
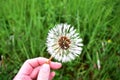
pixel 24 25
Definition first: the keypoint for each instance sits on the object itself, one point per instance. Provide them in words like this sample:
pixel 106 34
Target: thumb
pixel 44 72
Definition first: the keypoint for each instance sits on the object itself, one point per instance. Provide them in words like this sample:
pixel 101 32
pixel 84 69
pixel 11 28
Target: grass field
pixel 24 26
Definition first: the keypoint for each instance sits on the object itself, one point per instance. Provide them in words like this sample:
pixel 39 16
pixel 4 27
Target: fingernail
pixel 59 63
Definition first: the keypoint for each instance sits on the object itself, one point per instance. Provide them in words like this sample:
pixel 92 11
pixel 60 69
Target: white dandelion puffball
pixel 63 43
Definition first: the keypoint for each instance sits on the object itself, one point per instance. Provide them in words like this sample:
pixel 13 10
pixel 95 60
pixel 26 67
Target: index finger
pixel 35 62
pixel 31 64
pixel 40 60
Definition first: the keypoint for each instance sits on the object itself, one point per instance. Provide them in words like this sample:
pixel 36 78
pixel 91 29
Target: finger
pixel 36 61
pixel 44 72
pixel 55 65
pixel 30 64
pixel 39 61
pixel 34 73
pixel 52 74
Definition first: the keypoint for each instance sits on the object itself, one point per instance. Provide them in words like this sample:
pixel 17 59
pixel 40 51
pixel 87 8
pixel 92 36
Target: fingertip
pixel 52 75
pixel 45 65
pixel 55 65
pixel 44 72
pixel 45 68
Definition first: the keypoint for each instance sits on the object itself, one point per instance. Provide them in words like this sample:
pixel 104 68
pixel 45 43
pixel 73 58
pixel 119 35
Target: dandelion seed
pixel 63 43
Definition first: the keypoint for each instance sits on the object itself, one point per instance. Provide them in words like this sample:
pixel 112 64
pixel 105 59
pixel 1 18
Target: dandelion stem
pixel 49 60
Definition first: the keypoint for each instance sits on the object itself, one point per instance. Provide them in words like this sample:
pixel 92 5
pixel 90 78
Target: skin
pixel 37 69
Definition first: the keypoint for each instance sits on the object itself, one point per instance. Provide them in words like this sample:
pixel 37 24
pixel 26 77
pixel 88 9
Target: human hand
pixel 37 69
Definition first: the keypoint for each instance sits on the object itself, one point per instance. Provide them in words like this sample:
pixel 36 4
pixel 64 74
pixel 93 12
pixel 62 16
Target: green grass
pixel 24 25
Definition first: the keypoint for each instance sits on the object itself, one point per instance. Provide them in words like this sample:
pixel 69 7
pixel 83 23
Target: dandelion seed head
pixel 64 43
